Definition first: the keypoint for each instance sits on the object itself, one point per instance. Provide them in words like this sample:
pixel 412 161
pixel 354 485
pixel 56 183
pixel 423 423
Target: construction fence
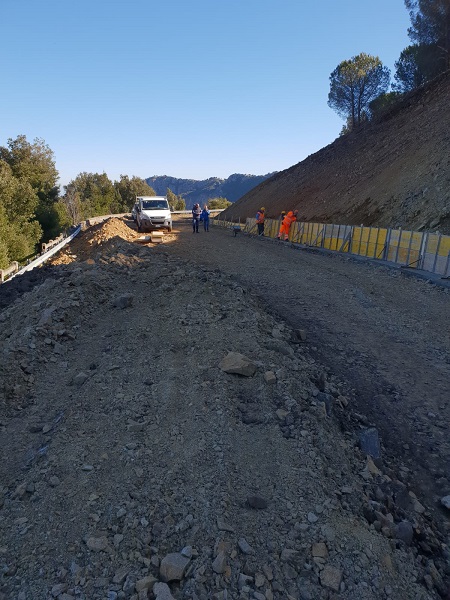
pixel 420 250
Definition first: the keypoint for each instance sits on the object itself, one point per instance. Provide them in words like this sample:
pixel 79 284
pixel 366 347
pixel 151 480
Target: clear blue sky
pixel 187 88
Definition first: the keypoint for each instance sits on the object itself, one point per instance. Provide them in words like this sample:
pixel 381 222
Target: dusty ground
pixel 134 459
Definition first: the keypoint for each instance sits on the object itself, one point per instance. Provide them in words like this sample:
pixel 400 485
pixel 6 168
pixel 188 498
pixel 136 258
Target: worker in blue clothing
pixel 205 217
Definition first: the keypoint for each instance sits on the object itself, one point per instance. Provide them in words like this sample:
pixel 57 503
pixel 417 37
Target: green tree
pixel 216 203
pixel 354 84
pixel 35 164
pixel 128 188
pixel 19 230
pixel 176 202
pixel 430 27
pixel 411 68
pixel 97 195
pixel 72 201
pixel 383 103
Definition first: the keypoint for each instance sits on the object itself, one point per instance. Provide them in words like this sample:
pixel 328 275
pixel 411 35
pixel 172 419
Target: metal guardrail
pixel 45 246
pixel 5 273
pixel 50 248
pixel 43 257
pixel 424 251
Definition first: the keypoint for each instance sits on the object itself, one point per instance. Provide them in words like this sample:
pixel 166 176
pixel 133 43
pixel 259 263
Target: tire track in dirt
pixel 385 334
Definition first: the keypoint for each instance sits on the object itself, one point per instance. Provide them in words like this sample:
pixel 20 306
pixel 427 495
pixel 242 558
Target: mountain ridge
pixel 193 190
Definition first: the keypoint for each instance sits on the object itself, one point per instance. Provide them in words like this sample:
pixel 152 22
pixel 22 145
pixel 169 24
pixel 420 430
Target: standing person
pixel 205 217
pixel 286 224
pixel 196 212
pixel 260 217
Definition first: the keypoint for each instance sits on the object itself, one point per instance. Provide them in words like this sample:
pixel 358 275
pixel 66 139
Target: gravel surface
pixel 189 420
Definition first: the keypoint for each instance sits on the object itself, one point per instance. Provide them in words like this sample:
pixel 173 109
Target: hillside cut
pixel 393 172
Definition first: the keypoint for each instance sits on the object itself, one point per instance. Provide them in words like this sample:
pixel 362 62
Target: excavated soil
pixel 136 466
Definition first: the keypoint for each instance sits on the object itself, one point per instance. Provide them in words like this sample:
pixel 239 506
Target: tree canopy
pixel 429 54
pixel 176 202
pixel 130 187
pixel 35 164
pixel 95 195
pixel 430 26
pixel 19 229
pixel 410 69
pixel 354 84
pixel 218 203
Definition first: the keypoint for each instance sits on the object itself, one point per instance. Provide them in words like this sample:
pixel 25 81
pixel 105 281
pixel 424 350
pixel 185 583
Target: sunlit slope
pixel 394 172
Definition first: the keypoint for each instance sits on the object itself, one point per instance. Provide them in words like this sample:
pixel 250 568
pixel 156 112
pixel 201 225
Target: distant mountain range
pixel 192 190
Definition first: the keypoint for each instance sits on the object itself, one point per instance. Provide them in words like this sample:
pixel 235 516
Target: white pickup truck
pixel 153 212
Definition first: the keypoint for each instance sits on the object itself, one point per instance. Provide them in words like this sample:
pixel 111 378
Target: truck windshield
pixel 154 204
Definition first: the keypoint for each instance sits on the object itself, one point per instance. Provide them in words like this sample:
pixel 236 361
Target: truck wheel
pixel 169 229
pixel 138 226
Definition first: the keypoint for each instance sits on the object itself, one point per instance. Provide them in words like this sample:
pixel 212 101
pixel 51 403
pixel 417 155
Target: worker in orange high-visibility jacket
pixel 260 217
pixel 286 223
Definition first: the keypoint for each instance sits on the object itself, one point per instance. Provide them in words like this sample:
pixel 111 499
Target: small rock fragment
pixel 320 550
pixel 173 566
pixel 445 501
pixel 222 526
pixel 220 563
pixel 257 502
pixel 331 577
pixel 145 583
pixel 97 544
pixel 79 379
pixel 238 364
pixel 162 591
pixel 245 547
pixel 123 301
pixel 270 377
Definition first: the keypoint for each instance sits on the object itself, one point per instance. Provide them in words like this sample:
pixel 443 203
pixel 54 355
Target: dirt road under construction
pixel 385 334
pixel 188 420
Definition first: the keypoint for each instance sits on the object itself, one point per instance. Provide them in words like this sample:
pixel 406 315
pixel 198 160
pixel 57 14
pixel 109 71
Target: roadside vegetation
pixel 216 203
pixel 32 209
pixel 175 202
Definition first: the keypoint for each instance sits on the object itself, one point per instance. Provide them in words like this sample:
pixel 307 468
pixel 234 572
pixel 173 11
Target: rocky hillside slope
pixel 202 191
pixel 391 173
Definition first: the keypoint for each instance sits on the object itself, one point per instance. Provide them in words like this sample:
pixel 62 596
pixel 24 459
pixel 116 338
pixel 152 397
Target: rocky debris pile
pixel 168 438
pixel 92 243
pixel 87 246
